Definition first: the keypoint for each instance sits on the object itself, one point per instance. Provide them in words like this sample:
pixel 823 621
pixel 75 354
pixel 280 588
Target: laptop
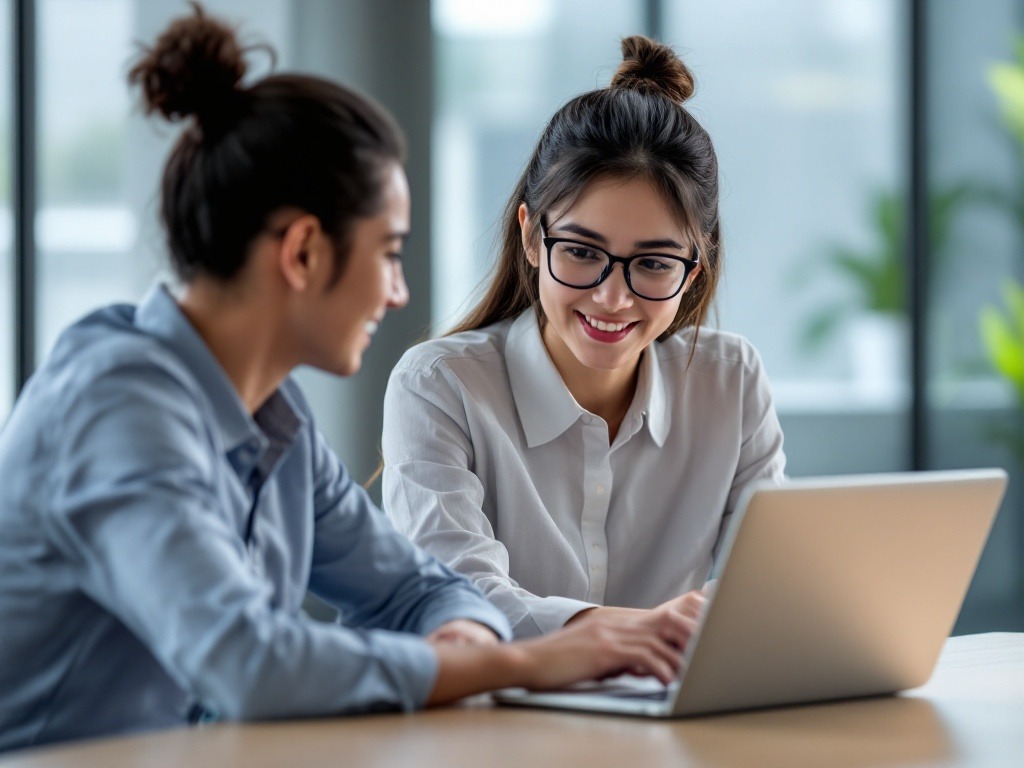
pixel 827 588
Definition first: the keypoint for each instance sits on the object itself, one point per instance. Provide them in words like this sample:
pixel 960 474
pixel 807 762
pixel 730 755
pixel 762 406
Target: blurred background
pixel 872 196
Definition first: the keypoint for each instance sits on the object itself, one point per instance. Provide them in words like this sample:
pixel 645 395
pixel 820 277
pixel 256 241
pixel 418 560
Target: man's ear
pixel 524 227
pixel 301 248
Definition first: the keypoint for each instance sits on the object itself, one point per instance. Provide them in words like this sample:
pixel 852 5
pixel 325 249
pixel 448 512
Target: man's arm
pixel 134 508
pixel 373 573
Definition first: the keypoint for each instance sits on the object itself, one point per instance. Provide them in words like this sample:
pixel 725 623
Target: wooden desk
pixel 971 713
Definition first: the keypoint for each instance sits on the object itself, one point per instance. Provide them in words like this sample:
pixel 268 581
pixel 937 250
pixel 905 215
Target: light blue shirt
pixel 157 540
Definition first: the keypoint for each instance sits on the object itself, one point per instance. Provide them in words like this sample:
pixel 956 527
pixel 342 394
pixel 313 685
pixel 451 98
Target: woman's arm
pixel 433 495
pixel 372 573
pixel 761 456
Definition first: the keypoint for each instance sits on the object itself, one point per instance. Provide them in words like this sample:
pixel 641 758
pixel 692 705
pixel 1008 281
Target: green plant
pixel 1007 80
pixel 878 272
pixel 1002 335
pixel 1002 329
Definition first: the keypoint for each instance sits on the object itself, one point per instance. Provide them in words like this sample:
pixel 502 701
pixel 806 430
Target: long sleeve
pixel 434 497
pixel 373 574
pixel 137 509
pixel 761 457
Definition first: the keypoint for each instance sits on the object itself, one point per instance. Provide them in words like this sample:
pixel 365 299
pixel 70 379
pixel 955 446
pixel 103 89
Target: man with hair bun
pixel 167 500
pixel 577 444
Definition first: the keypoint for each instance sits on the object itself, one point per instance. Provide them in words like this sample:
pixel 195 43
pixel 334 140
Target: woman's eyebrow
pixel 589 233
pixel 659 244
pixel 578 229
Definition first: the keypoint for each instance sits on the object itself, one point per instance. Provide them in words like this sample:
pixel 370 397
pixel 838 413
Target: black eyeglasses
pixel 651 276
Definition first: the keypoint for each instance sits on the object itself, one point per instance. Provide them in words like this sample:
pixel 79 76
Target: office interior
pixel 871 178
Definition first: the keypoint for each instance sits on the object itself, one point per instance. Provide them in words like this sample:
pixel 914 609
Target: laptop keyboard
pixel 661 695
pixel 627 687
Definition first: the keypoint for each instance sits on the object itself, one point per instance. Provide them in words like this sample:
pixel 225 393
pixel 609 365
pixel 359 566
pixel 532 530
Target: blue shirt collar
pixel 251 441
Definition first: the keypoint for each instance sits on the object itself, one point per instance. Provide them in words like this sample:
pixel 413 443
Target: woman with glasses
pixel 167 500
pixel 577 445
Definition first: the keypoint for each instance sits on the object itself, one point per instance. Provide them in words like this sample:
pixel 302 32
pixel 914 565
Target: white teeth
pixel 603 326
pixel 371 327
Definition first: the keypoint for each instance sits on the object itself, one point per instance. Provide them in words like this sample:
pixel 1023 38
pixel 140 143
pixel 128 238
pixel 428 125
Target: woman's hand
pixel 593 649
pixel 598 648
pixel 675 620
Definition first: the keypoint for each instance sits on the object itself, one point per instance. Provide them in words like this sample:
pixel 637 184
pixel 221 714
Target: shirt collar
pixel 653 388
pixel 245 442
pixel 546 407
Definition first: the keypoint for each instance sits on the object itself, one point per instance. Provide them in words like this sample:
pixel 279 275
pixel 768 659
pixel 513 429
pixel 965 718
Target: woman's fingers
pixel 637 647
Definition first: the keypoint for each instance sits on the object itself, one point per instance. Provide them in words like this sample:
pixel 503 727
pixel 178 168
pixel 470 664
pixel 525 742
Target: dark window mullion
pixel 24 183
pixel 917 236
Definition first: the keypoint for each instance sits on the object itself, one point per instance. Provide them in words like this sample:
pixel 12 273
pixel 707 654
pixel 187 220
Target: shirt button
pixel 599 489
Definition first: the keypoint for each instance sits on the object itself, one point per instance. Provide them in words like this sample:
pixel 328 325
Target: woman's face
pixel 344 317
pixel 607 327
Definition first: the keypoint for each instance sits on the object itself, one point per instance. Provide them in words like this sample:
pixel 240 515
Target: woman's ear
pixel 692 277
pixel 524 227
pixel 300 253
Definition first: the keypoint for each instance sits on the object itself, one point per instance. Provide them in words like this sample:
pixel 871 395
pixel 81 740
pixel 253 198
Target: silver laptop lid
pixel 838 587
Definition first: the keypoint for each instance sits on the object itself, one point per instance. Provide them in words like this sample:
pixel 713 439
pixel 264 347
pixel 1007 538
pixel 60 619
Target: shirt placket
pixel 596 493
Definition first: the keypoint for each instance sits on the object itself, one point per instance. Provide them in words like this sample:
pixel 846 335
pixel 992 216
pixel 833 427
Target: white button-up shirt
pixel 493 467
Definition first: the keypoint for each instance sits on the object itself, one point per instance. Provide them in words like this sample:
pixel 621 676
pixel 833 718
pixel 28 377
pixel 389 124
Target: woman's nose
pixel 613 294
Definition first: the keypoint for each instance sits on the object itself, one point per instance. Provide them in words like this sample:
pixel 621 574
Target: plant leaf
pixel 1007 80
pixel 821 326
pixel 1004 347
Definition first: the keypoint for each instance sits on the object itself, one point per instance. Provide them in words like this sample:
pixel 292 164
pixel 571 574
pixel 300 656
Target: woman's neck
pixel 240 329
pixel 607 394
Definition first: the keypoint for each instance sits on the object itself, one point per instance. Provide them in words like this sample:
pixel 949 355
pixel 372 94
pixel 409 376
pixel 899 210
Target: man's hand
pixel 462 632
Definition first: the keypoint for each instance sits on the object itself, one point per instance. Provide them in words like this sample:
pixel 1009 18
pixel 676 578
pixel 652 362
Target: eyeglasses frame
pixel 688 265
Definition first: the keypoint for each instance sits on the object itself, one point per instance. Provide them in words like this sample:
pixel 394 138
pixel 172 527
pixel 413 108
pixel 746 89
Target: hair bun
pixel 193 69
pixel 650 65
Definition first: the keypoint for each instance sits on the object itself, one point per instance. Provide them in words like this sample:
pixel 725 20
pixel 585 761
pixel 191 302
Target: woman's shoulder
pixel 713 347
pixel 479 347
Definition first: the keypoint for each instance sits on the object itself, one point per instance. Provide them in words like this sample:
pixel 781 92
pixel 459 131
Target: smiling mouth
pixel 602 331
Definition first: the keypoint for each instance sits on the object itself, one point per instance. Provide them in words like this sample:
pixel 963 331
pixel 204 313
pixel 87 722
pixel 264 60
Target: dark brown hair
pixel 636 127
pixel 283 141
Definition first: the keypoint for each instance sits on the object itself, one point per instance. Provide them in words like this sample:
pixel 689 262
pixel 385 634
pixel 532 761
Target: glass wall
pixel 812 128
pixel 502 71
pixel 976 382
pixel 98 235
pixel 809 125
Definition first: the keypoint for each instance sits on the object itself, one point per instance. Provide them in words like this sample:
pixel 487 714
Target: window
pixel 100 159
pixel 502 71
pixel 808 123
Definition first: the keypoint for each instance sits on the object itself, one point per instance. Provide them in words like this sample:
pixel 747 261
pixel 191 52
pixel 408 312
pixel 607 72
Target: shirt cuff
pixel 411 665
pixel 478 610
pixel 550 614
